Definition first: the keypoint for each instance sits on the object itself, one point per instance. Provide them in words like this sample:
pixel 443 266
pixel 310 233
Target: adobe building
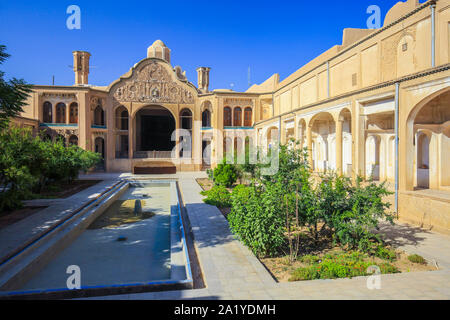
pixel 343 106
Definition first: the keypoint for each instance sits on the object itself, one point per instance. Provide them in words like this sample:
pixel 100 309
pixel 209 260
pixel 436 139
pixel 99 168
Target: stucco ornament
pixel 152 83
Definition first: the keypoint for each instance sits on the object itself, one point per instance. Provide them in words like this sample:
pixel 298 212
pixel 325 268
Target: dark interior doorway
pixel 156 128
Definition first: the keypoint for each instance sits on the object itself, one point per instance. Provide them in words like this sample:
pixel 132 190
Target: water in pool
pixel 122 246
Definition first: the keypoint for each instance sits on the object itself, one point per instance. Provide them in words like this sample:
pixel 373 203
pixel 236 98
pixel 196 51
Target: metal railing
pixel 121 154
pixel 152 154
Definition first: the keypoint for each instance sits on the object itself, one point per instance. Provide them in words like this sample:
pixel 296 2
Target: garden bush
pixel 286 204
pixel 340 265
pixel 28 163
pixel 415 258
pixel 256 220
pixel 351 212
pixel 218 196
pixel 385 253
pixel 225 174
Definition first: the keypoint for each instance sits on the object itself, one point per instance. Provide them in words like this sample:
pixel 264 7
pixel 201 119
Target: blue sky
pixel 228 36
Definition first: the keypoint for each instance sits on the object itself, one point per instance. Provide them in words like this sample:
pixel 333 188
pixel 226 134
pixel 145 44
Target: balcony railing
pixel 121 154
pixel 152 155
pixel 74 125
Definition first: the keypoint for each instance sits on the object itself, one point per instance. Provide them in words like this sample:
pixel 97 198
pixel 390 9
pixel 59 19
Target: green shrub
pixel 225 174
pixel 309 259
pixel 218 196
pixel 27 163
pixel 18 159
pixel 210 174
pixel 415 258
pixel 385 253
pixel 352 213
pixel 339 265
pixel 240 191
pixel 256 220
pixel 273 214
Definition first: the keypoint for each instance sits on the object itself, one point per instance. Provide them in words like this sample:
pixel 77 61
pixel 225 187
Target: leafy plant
pixel 255 218
pixel 210 174
pixel 339 265
pixel 272 216
pixel 13 94
pixel 218 196
pixel 225 174
pixel 28 163
pixel 415 258
pixel 385 253
pixel 351 213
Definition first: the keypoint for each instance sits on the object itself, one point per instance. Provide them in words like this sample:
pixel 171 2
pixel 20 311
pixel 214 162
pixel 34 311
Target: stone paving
pixel 231 271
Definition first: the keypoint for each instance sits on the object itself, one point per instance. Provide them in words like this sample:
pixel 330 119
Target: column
pixel 339 124
pixel 67 112
pixel 300 136
pixel 54 112
pixel 84 121
pixel 283 132
pixel 131 130
pixel 196 155
pixel 309 143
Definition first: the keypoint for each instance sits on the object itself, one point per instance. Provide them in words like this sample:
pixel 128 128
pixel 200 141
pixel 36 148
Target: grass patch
pixel 415 258
pixel 335 262
pixel 339 265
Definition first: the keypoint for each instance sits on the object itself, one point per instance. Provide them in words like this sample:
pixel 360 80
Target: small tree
pixel 18 158
pixel 28 163
pixel 272 213
pixel 13 94
pixel 255 218
pixel 276 209
pixel 225 174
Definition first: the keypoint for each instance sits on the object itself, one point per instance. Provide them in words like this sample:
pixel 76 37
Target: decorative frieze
pixel 241 102
pixel 96 101
pixel 58 95
pixel 99 134
pixel 152 83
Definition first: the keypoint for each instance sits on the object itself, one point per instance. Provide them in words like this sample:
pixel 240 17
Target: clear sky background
pixel 228 36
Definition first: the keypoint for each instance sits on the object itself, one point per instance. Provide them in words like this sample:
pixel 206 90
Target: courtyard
pixel 223 268
pixel 292 157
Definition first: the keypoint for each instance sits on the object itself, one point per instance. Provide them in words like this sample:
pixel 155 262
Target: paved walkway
pixel 231 271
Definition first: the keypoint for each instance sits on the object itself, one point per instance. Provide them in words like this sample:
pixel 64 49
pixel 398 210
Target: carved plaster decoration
pixel 99 134
pixel 96 101
pixel 152 84
pixel 181 75
pixel 66 133
pixel 241 102
pixel 58 95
